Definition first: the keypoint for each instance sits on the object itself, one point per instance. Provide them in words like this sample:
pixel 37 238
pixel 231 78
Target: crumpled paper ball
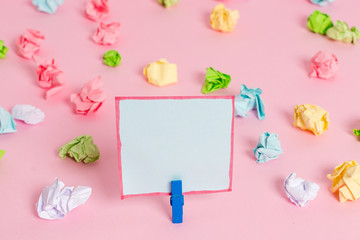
pixel 112 58
pixel 249 99
pixel 311 118
pixel 27 113
pixel 342 32
pixel 90 98
pixel 2 152
pixel 222 19
pixel 322 2
pixel 3 49
pixel 168 3
pixel 161 73
pixel 356 132
pixel 268 147
pixel 106 34
pixel 97 10
pixel 319 22
pixel 7 123
pixel 28 44
pixel 48 6
pixel 300 191
pixel 324 65
pixel 50 77
pixel 56 201
pixel 346 180
pixel 215 80
pixel 81 149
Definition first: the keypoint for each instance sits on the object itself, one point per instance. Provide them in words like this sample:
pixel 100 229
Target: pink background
pixel 270 48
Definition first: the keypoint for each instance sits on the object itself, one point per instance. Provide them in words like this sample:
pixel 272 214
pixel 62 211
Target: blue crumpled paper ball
pixel 322 2
pixel 268 147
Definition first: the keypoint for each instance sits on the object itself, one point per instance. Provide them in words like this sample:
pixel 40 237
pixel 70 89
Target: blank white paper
pixel 175 139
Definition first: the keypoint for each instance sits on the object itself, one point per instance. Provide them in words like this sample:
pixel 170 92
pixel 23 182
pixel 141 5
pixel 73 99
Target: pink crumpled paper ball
pixel 107 34
pixel 324 65
pixel 90 97
pixel 29 43
pixel 96 10
pixel 50 77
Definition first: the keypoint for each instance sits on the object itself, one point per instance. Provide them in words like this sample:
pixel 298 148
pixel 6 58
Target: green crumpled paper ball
pixel 319 22
pixel 168 3
pixel 356 132
pixel 342 32
pixel 3 49
pixel 81 149
pixel 2 152
pixel 215 80
pixel 112 58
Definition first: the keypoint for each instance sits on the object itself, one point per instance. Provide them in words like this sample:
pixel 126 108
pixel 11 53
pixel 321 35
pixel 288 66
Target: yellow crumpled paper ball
pixel 161 72
pixel 346 180
pixel 222 19
pixel 312 118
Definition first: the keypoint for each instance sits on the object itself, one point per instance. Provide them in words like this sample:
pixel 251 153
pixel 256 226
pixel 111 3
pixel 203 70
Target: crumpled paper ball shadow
pixel 311 118
pixel 346 181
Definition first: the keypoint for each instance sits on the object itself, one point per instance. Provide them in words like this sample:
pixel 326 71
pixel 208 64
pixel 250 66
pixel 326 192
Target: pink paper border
pixel 117 109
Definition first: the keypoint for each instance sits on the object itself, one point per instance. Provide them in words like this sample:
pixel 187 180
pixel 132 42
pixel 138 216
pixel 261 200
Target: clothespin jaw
pixel 177 201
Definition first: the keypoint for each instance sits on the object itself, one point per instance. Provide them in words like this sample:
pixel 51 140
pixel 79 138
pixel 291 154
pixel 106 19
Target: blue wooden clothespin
pixel 177 201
